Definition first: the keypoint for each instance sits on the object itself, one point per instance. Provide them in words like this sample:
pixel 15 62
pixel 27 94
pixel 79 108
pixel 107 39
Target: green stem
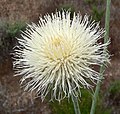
pixel 102 68
pixel 76 104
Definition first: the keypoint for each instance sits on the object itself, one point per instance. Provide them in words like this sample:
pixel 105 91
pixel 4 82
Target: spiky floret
pixel 57 54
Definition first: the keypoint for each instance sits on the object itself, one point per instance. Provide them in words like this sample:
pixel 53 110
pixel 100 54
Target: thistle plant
pixel 58 56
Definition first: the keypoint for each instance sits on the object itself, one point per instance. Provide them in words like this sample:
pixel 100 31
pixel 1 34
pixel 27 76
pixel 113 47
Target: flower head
pixel 58 55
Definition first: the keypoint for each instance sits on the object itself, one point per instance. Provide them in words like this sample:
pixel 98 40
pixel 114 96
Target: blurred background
pixel 14 14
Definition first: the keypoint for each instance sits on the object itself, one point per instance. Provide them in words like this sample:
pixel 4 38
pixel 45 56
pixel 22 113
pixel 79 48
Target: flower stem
pixel 76 104
pixel 102 68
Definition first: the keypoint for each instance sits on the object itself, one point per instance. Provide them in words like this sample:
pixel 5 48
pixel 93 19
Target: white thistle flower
pixel 57 55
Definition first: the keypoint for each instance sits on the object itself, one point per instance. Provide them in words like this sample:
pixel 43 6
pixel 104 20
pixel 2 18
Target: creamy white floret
pixel 57 55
